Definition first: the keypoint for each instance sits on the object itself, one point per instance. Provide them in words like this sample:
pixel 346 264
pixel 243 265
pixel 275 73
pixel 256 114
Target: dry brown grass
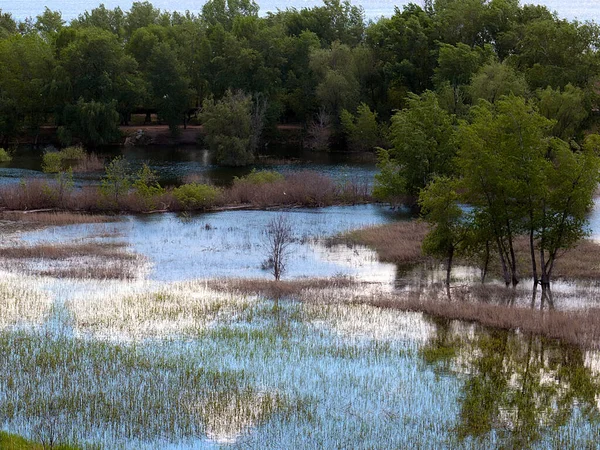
pixel 306 188
pixel 277 289
pixel 89 163
pixel 112 250
pixel 56 218
pixel 580 328
pixel 118 270
pixel 398 242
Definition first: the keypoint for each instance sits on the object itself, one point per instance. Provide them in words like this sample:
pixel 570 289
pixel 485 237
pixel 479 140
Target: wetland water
pixel 162 361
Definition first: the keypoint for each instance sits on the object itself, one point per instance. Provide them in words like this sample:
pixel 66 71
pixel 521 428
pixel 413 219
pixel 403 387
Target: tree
pixel 95 123
pixel 520 180
pixel 363 131
pixel 117 180
pixel 495 80
pixel 439 203
pixel 278 239
pixel 422 139
pixel 233 126
pixel 170 86
pixel 501 152
pixel 567 108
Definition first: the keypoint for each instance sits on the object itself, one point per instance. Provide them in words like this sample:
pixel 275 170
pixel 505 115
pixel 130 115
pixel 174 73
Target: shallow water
pixel 179 164
pixel 232 243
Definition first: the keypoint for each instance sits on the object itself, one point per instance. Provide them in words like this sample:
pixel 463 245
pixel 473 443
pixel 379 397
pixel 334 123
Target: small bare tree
pixel 278 238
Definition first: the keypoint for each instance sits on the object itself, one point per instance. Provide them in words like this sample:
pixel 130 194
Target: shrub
pixel 117 181
pixel 147 188
pixel 196 196
pixel 260 177
pixel 4 156
pixel 52 162
pixel 73 153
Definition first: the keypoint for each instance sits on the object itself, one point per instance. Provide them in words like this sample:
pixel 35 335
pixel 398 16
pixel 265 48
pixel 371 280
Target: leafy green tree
pixel 404 43
pixel 117 180
pixel 567 108
pixel 501 160
pixel 8 26
pixel 495 80
pixel 26 66
pixel 440 206
pixel 143 14
pixel 456 66
pixel 232 126
pixel 95 123
pixel 170 86
pixel 520 180
pixel 224 12
pixel 423 147
pixel 49 23
pixel 103 18
pixel 363 131
pixel 553 52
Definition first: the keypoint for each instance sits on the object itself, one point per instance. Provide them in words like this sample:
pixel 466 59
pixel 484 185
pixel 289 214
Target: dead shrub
pixel 89 162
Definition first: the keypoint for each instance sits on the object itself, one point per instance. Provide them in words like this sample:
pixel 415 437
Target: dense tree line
pixel 324 67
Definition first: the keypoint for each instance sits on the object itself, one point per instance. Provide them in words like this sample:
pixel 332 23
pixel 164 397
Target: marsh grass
pixel 581 328
pixel 100 260
pixel 144 365
pixel 398 242
pixel 20 304
pixel 289 289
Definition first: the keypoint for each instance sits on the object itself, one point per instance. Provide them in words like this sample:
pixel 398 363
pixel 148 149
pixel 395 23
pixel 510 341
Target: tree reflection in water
pixel 519 391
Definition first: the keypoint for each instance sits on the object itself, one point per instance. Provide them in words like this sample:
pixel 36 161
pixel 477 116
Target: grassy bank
pixel 400 243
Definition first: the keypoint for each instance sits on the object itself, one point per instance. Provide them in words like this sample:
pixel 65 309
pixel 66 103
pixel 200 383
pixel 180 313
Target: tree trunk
pixel 449 266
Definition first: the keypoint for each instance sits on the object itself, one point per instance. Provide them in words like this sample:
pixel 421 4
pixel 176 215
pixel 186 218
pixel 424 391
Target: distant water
pixel 20 9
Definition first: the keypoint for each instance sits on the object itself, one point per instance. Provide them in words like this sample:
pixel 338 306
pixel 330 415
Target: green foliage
pixel 259 177
pixel 423 147
pixel 13 442
pixel 95 123
pixel 494 80
pixel 521 181
pixel 146 186
pixel 567 108
pixel 390 184
pixel 57 161
pixel 363 131
pixel 169 86
pixel 196 196
pixel 232 126
pixel 117 180
pixel 52 162
pixel 5 156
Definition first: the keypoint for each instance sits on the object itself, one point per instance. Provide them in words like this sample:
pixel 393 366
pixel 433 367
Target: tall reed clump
pixel 305 188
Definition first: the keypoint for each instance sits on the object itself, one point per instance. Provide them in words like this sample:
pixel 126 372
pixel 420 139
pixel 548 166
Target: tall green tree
pixel 422 137
pixel 232 125
pixel 170 86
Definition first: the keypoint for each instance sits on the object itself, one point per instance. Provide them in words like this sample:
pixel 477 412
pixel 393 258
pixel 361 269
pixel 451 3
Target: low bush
pixel 196 196
pixel 75 158
pixel 259 177
pixel 5 156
